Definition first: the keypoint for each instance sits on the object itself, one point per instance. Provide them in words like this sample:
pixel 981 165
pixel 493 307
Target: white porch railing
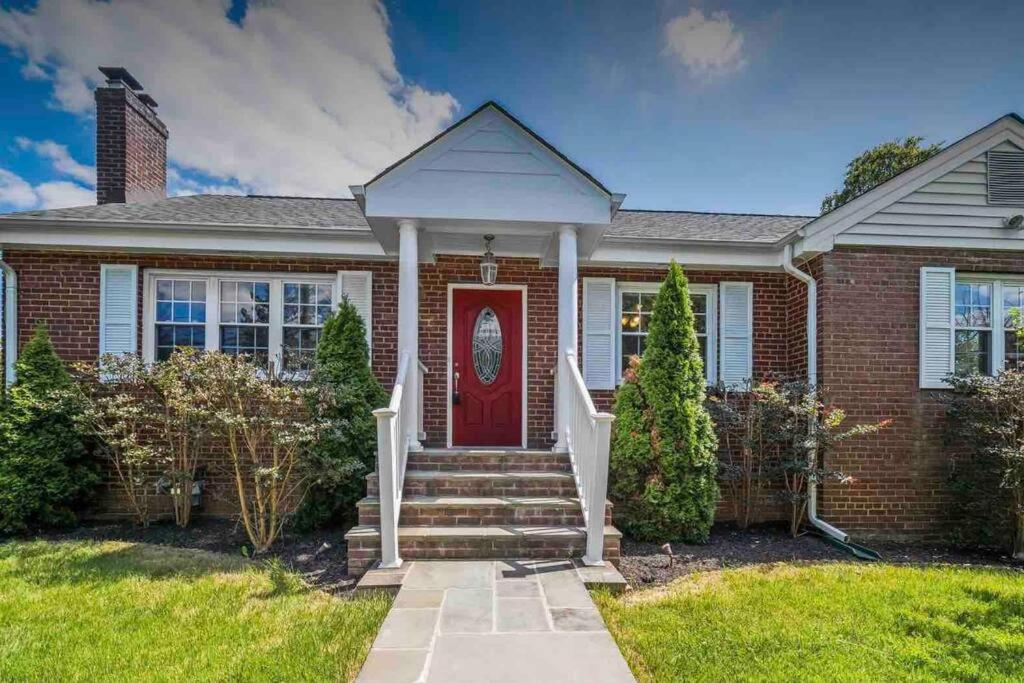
pixel 398 425
pixel 587 437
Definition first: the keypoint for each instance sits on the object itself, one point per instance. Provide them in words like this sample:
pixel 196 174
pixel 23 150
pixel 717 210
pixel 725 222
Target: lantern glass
pixel 488 269
pixel 488 264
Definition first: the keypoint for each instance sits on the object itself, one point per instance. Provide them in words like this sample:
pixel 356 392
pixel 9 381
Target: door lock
pixel 455 386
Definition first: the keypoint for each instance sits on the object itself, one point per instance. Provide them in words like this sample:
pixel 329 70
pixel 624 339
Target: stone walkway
pixel 529 621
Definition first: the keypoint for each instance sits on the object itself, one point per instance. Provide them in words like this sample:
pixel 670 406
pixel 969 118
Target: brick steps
pixel 481 511
pixel 489 460
pixel 480 504
pixel 489 542
pixel 481 483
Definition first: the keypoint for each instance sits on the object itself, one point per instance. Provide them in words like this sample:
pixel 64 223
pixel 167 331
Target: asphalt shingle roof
pixel 217 209
pixel 302 212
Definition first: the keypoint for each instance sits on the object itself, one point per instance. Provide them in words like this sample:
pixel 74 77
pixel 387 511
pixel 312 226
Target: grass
pixel 89 611
pixel 837 622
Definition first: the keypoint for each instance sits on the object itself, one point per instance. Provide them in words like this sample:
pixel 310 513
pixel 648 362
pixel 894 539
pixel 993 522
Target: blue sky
pixel 729 106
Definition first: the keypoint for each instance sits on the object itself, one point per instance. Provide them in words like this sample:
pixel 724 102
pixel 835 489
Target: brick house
pixel 503 288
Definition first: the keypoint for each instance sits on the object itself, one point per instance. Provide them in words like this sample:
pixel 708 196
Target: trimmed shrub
pixel 985 424
pixel 46 469
pixel 344 394
pixel 663 459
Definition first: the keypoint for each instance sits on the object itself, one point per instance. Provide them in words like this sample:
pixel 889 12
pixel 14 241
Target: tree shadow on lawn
pixel 48 563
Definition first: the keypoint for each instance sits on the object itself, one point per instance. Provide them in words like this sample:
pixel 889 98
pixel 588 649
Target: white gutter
pixel 812 381
pixel 10 301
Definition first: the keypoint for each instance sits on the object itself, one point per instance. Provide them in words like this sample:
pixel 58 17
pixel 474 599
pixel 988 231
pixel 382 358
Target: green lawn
pixel 82 611
pixel 837 622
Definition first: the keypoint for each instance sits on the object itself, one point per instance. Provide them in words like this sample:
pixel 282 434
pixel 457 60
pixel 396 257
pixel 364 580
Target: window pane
pixel 164 290
pixel 972 352
pixel 291 314
pixel 182 290
pixel 973 304
pixel 291 293
pixel 164 311
pixel 261 292
pixel 1013 304
pixel 323 295
pixel 1014 345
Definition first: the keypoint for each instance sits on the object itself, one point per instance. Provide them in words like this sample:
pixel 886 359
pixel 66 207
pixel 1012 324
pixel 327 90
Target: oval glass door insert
pixel 487 346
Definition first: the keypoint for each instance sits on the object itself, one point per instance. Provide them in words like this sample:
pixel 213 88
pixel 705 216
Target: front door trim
pixel 448 358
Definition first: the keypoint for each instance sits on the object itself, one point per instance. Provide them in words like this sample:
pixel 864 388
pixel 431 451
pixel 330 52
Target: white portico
pixel 488 175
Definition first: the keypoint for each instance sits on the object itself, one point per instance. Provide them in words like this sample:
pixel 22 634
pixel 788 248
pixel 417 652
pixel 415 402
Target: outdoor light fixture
pixel 488 265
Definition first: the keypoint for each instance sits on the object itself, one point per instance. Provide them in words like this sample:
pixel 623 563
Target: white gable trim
pixel 466 128
pixel 823 234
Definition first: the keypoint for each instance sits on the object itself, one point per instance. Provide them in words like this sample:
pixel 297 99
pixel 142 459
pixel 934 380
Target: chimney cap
pixel 147 100
pixel 119 73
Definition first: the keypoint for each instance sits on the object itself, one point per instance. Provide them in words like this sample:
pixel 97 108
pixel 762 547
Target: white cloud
pixel 59 194
pixel 60 157
pixel 17 194
pixel 304 97
pixel 708 46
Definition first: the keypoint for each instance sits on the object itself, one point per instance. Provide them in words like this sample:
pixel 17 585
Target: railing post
pixel 598 493
pixel 386 462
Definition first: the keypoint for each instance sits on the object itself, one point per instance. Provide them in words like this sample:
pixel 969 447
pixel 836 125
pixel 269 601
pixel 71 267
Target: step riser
pixel 481 487
pixel 477 517
pixel 513 462
pixel 422 515
pixel 362 555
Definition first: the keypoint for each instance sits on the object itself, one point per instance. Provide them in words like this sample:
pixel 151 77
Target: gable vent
pixel 1006 178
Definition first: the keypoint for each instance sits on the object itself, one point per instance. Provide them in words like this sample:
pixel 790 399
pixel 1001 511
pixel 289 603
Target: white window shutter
pixel 736 332
pixel 598 332
pixel 118 308
pixel 938 289
pixel 357 287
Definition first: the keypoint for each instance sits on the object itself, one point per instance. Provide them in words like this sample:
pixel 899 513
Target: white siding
pixel 955 205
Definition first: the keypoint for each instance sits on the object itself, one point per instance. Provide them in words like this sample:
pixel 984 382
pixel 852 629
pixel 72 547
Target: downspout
pixel 10 301
pixel 812 381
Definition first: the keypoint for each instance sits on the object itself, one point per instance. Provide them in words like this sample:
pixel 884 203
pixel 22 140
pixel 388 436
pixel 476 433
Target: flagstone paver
pixel 495 621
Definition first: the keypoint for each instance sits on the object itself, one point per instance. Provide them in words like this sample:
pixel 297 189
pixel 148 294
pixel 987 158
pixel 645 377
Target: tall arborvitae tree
pixel 663 459
pixel 46 469
pixel 345 392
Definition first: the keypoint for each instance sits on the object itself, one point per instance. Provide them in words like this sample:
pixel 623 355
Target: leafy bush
pixel 267 430
pixel 343 394
pixel 752 438
pixel 153 422
pixel 809 433
pixel 120 410
pixel 985 420
pixel 663 459
pixel 46 469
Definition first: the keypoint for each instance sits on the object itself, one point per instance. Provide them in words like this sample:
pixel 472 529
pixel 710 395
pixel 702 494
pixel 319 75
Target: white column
pixel 409 315
pixel 567 324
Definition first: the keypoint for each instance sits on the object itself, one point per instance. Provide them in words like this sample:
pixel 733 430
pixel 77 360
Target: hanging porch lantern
pixel 488 264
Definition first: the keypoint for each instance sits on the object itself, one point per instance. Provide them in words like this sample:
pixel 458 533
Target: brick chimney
pixel 131 141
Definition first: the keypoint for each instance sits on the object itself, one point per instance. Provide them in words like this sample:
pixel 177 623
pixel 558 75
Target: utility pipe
pixel 10 299
pixel 812 381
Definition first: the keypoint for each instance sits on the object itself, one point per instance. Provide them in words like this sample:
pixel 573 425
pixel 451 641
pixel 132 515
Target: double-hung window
pixel 636 305
pixel 180 315
pixel 269 318
pixel 986 319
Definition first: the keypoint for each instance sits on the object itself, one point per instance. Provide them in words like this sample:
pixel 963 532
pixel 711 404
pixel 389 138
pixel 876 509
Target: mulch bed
pixel 643 564
pixel 320 557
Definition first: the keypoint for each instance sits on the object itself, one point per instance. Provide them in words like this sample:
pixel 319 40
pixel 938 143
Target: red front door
pixel 487 367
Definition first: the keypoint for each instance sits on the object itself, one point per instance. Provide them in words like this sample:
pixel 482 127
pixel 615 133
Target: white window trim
pixel 997 349
pixel 213 279
pixel 711 291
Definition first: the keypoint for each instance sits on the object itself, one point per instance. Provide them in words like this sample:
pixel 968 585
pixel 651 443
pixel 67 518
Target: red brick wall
pixel 773 309
pixel 868 327
pixel 542 338
pixel 62 290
